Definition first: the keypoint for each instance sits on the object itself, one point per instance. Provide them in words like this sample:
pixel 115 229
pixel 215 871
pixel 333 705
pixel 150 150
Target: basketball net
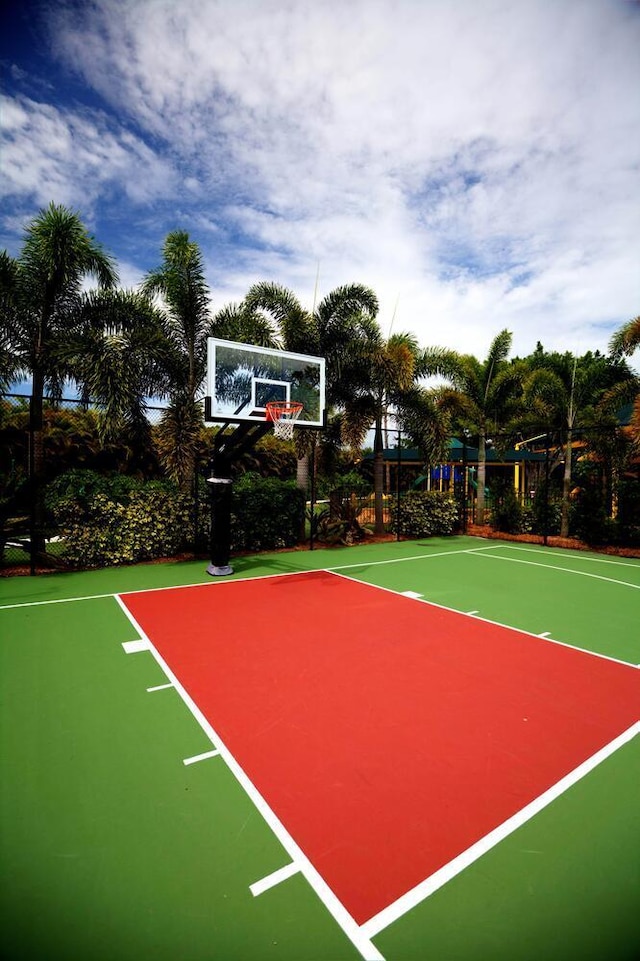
pixel 283 414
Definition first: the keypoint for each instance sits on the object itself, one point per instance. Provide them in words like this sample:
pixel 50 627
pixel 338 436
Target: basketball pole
pixel 227 449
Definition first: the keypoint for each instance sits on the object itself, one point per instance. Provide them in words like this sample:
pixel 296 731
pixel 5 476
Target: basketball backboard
pixel 242 379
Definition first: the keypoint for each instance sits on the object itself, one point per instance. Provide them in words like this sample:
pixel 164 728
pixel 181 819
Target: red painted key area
pixel 388 735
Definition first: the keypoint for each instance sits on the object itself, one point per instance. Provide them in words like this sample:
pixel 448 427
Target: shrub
pixel 267 513
pixel 98 530
pixel 75 490
pixel 339 523
pixel 507 514
pixel 424 514
pixel 547 515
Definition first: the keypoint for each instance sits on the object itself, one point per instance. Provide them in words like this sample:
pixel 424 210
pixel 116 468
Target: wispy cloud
pixel 75 157
pixel 475 162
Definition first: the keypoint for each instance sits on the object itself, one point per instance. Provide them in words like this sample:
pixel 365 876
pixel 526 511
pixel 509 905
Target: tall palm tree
pixel 180 284
pixel 119 356
pixel 387 376
pixel 479 394
pixel 335 328
pixel 40 297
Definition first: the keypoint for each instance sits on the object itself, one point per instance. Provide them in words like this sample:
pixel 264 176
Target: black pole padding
pixel 227 449
pixel 220 536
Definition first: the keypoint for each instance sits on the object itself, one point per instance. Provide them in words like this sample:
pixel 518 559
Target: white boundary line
pixel 341 567
pixel 237 580
pixel 508 627
pixel 564 570
pixel 158 687
pixel 340 914
pixel 582 556
pixel 427 887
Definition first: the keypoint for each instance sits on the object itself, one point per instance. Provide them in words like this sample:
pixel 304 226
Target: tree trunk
pixel 36 463
pixel 482 473
pixel 566 486
pixel 378 477
pixel 302 480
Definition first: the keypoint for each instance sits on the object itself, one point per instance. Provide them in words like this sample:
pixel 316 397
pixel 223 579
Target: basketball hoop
pixel 284 414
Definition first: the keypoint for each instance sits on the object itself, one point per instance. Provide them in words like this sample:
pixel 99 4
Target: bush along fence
pixel 96 520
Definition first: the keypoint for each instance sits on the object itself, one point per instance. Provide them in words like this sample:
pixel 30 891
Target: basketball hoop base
pixel 219 571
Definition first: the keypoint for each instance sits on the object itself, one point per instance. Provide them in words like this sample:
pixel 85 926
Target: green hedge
pixel 267 513
pixel 106 520
pixel 424 514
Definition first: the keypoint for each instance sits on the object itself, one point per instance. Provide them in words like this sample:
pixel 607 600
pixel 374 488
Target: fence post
pixel 399 520
pixel 546 491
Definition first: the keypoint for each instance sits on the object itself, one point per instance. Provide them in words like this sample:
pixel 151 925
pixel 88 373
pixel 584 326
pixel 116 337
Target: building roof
pixel 458 454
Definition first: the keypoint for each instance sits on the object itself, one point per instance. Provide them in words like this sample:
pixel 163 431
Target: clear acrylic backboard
pixel 242 379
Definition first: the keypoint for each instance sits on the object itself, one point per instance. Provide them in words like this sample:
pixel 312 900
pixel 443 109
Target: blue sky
pixel 476 162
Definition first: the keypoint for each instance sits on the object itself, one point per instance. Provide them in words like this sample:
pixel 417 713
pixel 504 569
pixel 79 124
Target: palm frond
pixel 241 323
pixel 626 339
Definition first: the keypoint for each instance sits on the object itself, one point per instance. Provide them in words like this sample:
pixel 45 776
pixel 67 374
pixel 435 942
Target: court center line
pixel 277 877
pixel 563 570
pixel 412 898
pixel 341 916
pixel 158 687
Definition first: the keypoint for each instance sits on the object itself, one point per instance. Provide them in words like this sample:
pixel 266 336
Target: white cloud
pixel 477 159
pixel 73 157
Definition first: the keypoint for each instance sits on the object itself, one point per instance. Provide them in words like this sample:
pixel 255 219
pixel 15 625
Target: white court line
pixel 412 594
pixel 471 613
pixel 583 556
pixel 134 647
pixel 545 634
pixel 485 620
pixel 427 887
pixel 201 757
pixel 564 570
pixel 259 887
pixel 236 580
pixel 159 687
pixel 337 910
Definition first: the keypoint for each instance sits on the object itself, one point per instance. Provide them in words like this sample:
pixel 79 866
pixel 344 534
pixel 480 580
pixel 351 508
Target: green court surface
pixel 113 849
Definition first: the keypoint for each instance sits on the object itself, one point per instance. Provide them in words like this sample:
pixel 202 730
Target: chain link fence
pixel 70 439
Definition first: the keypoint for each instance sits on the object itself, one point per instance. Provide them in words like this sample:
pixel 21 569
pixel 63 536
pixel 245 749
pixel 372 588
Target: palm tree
pixel 118 357
pixel 9 364
pixel 335 328
pixel 625 341
pixel 40 297
pixel 386 376
pixel 180 284
pixel 479 395
pixel 558 389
